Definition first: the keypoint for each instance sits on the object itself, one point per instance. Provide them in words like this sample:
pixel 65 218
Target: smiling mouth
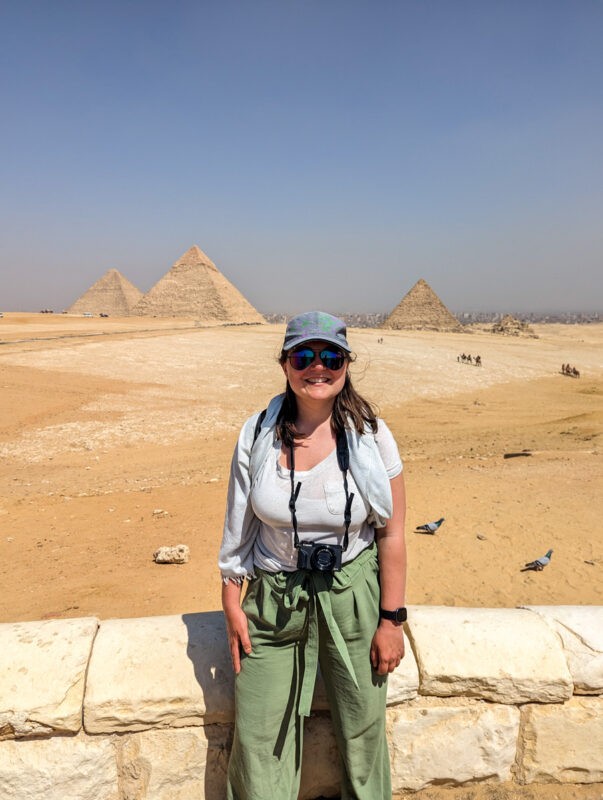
pixel 317 380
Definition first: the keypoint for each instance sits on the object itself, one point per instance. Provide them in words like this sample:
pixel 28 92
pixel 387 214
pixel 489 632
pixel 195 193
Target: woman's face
pixel 316 383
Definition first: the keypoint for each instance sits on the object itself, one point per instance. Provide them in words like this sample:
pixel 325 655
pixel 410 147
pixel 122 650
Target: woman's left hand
pixel 387 647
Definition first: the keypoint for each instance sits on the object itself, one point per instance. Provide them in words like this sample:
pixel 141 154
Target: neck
pixel 310 418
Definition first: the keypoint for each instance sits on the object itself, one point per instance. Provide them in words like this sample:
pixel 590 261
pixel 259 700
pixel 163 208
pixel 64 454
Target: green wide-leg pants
pixel 297 619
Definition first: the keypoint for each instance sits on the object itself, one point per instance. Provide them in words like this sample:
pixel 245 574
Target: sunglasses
pixel 302 358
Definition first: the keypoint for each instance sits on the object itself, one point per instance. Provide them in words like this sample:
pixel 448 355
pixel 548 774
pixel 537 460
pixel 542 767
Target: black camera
pixel 319 557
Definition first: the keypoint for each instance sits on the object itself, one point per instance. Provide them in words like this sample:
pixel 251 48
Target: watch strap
pixel 398 615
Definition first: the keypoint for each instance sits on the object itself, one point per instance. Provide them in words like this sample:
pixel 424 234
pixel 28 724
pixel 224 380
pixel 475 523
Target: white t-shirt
pixel 319 507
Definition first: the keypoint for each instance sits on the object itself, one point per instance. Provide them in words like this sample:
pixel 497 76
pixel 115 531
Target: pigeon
pixel 539 564
pixel 430 527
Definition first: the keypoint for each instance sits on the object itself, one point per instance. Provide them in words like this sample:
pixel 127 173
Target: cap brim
pixel 296 341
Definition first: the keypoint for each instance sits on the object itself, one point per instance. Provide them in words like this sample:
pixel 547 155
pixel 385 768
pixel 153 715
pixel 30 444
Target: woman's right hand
pixel 238 635
pixel 237 627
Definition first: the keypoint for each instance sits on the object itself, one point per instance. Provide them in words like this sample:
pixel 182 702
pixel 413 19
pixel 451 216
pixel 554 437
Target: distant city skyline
pixel 323 155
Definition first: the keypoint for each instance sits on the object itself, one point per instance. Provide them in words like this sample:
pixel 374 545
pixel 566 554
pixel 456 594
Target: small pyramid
pixel 112 294
pixel 511 326
pixel 422 309
pixel 195 287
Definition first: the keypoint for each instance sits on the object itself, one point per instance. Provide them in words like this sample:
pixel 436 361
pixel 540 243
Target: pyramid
pixel 422 309
pixel 112 294
pixel 511 326
pixel 195 287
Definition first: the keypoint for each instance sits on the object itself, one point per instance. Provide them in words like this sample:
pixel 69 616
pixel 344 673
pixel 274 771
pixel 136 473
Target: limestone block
pixel 42 674
pixel 185 763
pixel 402 684
pixel 502 654
pixel 61 768
pixel 563 744
pixel 435 743
pixel 581 632
pixel 159 671
pixel 320 760
pixel 177 764
pixel 174 554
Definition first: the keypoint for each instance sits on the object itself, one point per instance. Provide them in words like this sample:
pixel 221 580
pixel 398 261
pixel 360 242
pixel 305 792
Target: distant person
pixel 315 523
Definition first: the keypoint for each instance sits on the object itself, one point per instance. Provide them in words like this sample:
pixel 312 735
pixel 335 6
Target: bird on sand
pixel 430 527
pixel 539 564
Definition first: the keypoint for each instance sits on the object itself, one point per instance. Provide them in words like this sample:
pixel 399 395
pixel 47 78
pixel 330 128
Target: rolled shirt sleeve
pixel 241 526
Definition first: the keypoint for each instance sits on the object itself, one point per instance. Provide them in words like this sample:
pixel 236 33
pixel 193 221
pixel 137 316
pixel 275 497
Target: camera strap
pixel 343 459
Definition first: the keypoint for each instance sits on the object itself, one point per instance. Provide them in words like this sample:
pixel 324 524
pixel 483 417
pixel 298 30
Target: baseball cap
pixel 316 325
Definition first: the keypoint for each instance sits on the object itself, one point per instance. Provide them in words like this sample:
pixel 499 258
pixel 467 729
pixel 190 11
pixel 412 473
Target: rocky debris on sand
pixel 176 554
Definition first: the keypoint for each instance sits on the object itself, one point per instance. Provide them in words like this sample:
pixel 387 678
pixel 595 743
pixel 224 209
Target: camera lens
pixel 323 559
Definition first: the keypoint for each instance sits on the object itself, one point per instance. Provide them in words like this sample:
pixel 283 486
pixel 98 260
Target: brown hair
pixel 350 410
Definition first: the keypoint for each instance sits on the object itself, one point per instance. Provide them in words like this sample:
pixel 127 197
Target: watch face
pixel 401 615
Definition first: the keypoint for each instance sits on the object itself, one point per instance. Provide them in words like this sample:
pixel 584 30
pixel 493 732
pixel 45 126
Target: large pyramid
pixel 194 287
pixel 422 309
pixel 112 294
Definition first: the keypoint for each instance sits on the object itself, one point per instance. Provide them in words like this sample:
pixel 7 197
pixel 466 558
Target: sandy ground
pixel 116 437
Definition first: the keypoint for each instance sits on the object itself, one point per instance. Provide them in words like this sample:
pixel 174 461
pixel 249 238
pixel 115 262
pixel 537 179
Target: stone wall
pixel 142 709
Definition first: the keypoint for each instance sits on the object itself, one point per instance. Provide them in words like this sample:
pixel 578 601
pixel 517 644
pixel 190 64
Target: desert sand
pixel 116 437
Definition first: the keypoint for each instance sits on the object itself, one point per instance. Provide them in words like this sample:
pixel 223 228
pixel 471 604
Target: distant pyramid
pixel 112 294
pixel 511 326
pixel 194 287
pixel 422 309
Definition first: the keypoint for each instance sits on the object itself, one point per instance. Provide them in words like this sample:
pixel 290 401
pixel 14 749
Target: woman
pixel 315 522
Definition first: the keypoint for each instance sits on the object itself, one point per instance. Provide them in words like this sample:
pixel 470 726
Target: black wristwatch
pixel 398 615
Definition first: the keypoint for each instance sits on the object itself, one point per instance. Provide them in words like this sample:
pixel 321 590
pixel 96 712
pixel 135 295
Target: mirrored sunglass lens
pixel 301 359
pixel 332 359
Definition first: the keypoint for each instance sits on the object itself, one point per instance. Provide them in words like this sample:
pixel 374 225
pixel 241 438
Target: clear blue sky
pixel 323 154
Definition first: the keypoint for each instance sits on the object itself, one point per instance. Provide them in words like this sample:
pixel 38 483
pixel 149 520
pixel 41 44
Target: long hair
pixel 350 410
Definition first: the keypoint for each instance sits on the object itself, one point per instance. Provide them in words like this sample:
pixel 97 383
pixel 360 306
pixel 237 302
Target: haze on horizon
pixel 322 154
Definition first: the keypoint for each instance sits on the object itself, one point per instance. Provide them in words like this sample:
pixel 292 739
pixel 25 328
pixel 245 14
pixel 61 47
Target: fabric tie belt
pixel 313 590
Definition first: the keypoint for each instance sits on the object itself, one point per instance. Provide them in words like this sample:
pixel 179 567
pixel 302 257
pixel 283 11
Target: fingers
pixel 245 641
pixel 235 655
pixel 238 637
pixel 387 650
pixel 382 663
pixel 384 659
pixel 239 641
pixel 386 666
